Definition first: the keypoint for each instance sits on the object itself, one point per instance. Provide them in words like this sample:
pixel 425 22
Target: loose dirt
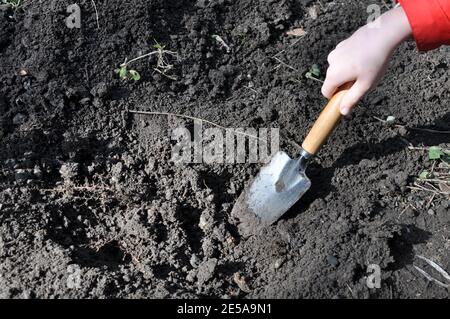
pixel 92 206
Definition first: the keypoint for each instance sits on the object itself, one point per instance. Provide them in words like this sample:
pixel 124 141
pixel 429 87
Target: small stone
pixel 91 168
pixel 402 131
pixel 203 224
pixel 194 260
pixel 21 175
pixel 85 101
pixel 232 189
pixel 206 270
pixel 191 276
pixel 332 260
pixel 117 172
pixel 206 221
pixel 431 212
pixel 209 247
pixel 19 118
pixel 37 171
pixel 241 281
pixel 69 170
pixel 312 11
pixel 278 263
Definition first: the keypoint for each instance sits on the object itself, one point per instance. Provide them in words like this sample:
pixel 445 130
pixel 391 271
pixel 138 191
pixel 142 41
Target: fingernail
pixel 345 110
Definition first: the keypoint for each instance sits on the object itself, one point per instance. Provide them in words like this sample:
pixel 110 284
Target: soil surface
pixel 92 206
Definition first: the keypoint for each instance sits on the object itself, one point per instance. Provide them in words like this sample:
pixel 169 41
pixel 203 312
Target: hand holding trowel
pixel 282 182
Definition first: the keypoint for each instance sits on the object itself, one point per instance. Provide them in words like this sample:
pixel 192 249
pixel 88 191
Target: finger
pixel 341 44
pixel 333 80
pixel 329 87
pixel 356 92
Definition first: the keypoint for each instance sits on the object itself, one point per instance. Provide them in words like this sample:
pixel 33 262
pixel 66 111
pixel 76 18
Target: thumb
pixel 356 92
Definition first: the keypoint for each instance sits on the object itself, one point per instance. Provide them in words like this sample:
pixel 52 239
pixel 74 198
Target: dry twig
pixel 96 13
pixel 436 267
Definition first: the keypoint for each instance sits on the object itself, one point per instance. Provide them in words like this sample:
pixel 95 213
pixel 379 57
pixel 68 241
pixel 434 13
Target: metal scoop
pixel 282 182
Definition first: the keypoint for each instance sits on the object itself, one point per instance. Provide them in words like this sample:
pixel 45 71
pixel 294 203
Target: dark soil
pixel 91 206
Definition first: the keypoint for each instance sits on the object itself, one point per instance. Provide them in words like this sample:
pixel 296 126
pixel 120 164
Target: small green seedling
pixel 162 65
pixel 435 153
pixel 13 3
pixel 315 70
pixel 314 73
pixel 126 74
pixel 425 175
pixel 134 75
pixel 158 46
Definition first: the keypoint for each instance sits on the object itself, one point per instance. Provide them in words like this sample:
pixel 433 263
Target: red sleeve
pixel 430 22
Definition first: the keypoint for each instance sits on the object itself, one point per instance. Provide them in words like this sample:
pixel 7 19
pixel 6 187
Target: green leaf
pixel 435 152
pixel 424 175
pixel 158 46
pixel 123 72
pixel 315 70
pixel 134 75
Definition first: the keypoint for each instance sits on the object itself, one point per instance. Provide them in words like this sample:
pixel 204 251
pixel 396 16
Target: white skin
pixel 364 57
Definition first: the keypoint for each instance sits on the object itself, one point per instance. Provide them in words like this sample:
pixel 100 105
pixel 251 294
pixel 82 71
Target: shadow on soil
pixel 321 176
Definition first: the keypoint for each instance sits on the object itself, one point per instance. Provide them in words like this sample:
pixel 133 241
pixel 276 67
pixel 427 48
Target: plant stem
pixel 139 58
pixel 308 76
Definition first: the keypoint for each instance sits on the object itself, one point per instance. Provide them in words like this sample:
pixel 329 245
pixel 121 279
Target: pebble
pixel 332 260
pixel 203 224
pixel 19 118
pixel 21 174
pixel 194 261
pixel 69 170
pixel 278 263
pixel 85 101
pixel 37 172
pixel 191 276
pixel 206 270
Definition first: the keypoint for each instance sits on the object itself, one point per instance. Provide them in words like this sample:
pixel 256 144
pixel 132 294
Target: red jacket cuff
pixel 430 22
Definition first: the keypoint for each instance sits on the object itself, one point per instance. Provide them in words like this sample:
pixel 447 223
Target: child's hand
pixel 364 56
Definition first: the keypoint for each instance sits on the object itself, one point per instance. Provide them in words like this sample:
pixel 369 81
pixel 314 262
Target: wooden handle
pixel 327 121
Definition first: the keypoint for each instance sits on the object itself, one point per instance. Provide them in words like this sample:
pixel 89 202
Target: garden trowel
pixel 283 181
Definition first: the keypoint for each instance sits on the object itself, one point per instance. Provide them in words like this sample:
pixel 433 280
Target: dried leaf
pixel 297 32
